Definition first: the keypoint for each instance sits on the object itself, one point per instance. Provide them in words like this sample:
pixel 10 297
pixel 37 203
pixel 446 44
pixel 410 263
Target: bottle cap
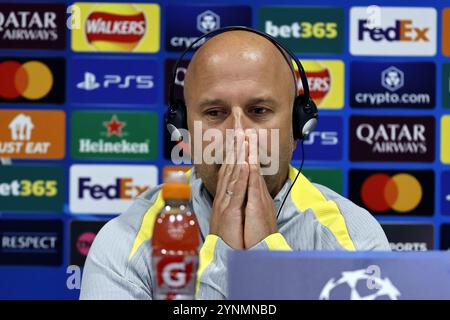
pixel 176 186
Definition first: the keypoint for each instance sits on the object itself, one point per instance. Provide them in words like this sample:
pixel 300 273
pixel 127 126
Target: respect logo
pixel 117 27
pixel 31 188
pixel 115 135
pixel 390 192
pixel 108 189
pixel 32 80
pixel 25 134
pixel 305 29
pixel 393 31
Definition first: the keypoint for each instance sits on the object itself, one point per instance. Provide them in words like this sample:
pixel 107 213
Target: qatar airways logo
pixel 392 138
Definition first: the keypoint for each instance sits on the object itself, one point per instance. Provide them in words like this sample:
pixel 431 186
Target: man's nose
pixel 239 119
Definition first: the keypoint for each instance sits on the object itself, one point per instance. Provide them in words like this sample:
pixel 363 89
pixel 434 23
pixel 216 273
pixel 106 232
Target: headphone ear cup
pixel 304 117
pixel 175 119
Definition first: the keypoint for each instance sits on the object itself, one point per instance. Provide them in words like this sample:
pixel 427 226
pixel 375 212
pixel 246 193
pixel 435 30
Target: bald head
pixel 231 54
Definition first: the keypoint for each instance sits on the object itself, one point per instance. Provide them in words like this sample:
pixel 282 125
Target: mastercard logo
pixel 401 192
pixel 31 80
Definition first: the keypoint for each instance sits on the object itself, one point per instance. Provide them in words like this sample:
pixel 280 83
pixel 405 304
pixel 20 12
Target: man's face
pixel 233 86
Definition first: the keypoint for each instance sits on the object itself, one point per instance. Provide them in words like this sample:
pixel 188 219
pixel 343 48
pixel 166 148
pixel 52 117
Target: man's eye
pixel 259 110
pixel 214 113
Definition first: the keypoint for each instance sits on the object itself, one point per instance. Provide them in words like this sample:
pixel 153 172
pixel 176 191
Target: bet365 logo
pixel 31 188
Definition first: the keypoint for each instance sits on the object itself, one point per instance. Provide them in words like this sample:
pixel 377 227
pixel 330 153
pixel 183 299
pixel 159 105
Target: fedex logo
pixel 393 31
pixel 108 189
pixel 123 188
pixel 403 30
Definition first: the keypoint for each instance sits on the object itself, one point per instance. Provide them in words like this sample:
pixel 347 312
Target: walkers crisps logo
pixel 115 135
pixel 117 27
pixel 27 134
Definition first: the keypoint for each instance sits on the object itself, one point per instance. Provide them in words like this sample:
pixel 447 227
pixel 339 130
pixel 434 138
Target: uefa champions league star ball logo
pixel 352 284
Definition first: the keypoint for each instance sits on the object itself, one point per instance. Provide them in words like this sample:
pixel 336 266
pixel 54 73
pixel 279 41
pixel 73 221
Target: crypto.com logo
pixel 213 152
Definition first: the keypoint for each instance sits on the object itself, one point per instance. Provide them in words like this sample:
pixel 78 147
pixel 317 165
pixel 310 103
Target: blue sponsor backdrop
pixel 50 281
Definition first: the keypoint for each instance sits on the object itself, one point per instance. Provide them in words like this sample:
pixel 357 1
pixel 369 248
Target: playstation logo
pixel 208 21
pixel 89 83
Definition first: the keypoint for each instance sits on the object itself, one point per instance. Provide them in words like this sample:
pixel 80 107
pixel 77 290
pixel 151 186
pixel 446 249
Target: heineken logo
pixel 114 126
pixel 115 136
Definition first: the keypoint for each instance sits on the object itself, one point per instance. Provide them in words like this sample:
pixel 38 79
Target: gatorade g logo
pixel 37 80
pixel 174 272
pixel 117 27
pixel 128 28
pixel 393 31
pixel 390 192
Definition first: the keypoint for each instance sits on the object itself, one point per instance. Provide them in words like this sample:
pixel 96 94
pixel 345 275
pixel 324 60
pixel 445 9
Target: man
pixel 236 80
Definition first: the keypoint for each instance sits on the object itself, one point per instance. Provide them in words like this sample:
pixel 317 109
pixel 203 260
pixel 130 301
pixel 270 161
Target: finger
pixel 240 188
pixel 228 167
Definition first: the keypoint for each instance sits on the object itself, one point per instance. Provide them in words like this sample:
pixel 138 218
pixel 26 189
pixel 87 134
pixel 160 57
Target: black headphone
pixel 305 113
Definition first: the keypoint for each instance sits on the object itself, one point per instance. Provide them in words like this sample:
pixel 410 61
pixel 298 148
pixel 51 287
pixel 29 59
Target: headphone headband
pixel 279 46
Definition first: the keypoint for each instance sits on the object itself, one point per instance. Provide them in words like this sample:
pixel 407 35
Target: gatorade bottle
pixel 175 242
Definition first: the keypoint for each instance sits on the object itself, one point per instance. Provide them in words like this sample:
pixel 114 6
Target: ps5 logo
pixel 325 138
pixel 90 83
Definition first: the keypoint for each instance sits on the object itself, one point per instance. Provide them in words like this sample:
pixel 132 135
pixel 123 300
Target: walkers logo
pixel 108 189
pixel 326 82
pixel 392 84
pixel 409 237
pixel 407 139
pixel 305 29
pixel 32 26
pixel 185 23
pixel 179 78
pixel 331 178
pixel 114 81
pixel 446 32
pixel 115 135
pixel 446 85
pixel 32 188
pixel 325 142
pixel 116 27
pixel 445 237
pixel 393 31
pixel 26 134
pixel 445 193
pixel 82 235
pixel 25 80
pixel 445 139
pixel 389 192
pixel 31 242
